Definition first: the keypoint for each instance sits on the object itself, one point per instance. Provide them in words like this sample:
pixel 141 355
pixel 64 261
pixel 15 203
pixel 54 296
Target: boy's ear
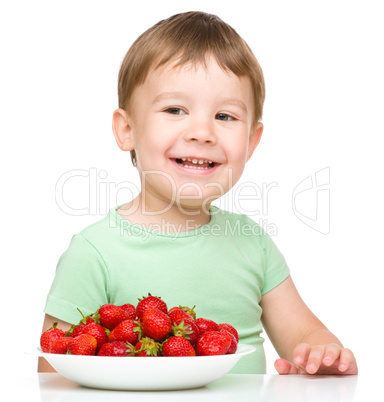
pixel 254 138
pixel 122 130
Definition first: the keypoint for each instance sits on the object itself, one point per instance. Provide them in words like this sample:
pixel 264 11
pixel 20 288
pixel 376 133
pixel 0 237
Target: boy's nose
pixel 202 132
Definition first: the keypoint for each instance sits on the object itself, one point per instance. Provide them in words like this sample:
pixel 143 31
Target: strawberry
pixel 117 348
pixel 76 330
pixel 205 325
pixel 156 324
pixel 189 330
pixel 150 301
pixel 213 343
pixel 147 347
pixel 96 330
pixel 233 347
pixel 130 310
pixel 190 311
pixel 178 346
pixel 230 329
pixel 89 320
pixel 111 315
pixel 128 330
pixel 84 344
pixel 48 336
pixel 173 309
pixel 60 345
pixel 176 314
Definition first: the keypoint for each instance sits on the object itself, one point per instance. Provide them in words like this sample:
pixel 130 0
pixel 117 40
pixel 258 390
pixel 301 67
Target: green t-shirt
pixel 223 268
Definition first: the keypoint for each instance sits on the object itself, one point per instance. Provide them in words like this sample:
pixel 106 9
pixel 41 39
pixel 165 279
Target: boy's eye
pixel 175 110
pixel 224 117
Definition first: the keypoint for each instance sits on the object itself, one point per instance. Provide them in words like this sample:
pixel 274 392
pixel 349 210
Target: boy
pixel 191 95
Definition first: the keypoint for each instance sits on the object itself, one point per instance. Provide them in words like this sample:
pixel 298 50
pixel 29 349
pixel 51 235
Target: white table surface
pixel 237 388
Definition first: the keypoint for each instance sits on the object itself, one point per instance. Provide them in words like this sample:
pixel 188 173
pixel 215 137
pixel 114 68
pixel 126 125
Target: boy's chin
pixel 194 206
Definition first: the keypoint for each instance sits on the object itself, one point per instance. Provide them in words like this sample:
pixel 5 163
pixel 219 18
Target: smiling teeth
pixel 196 162
pixel 195 167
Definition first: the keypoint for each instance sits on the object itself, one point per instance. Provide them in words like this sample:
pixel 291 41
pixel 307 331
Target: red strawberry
pixel 213 343
pixel 147 347
pixel 230 329
pixel 89 320
pixel 128 330
pixel 48 336
pixel 84 344
pixel 60 345
pixel 150 301
pixel 130 310
pixel 156 324
pixel 178 346
pixel 111 316
pixel 190 311
pixel 117 348
pixel 96 330
pixel 76 330
pixel 205 325
pixel 189 330
pixel 233 347
pixel 176 314
pixel 173 309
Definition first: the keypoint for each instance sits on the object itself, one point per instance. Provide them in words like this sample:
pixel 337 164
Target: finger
pixel 315 358
pixel 301 353
pixel 284 367
pixel 347 358
pixel 331 354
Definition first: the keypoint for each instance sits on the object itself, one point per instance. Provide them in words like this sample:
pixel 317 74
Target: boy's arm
pixel 303 342
pixel 43 365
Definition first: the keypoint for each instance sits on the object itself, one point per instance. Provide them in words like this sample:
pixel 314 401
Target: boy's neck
pixel 164 217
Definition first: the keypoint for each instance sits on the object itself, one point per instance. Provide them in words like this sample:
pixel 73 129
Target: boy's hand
pixel 322 359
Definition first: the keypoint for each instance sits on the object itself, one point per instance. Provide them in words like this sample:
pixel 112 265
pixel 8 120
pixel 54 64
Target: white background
pixel 323 67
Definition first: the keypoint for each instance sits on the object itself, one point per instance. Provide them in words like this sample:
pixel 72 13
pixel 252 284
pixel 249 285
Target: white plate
pixel 145 373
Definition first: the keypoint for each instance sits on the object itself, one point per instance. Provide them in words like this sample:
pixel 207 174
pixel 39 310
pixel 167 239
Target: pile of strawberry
pixel 150 329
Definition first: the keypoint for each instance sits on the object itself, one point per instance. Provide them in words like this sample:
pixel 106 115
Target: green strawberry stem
pixel 138 328
pixel 149 294
pixel 84 319
pixel 190 311
pixel 95 316
pixel 182 330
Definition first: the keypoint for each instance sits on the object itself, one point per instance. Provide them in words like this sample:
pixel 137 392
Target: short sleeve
pixel 276 269
pixel 81 281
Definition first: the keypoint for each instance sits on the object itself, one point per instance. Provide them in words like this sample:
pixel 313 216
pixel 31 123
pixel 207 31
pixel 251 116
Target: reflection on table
pixel 54 387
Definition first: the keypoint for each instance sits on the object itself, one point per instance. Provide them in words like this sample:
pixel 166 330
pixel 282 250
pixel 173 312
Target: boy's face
pixel 191 128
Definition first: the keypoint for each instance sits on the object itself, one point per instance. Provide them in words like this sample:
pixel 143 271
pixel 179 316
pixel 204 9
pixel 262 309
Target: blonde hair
pixel 189 37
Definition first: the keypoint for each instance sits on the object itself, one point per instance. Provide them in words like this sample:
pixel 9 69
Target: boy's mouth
pixel 194 163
